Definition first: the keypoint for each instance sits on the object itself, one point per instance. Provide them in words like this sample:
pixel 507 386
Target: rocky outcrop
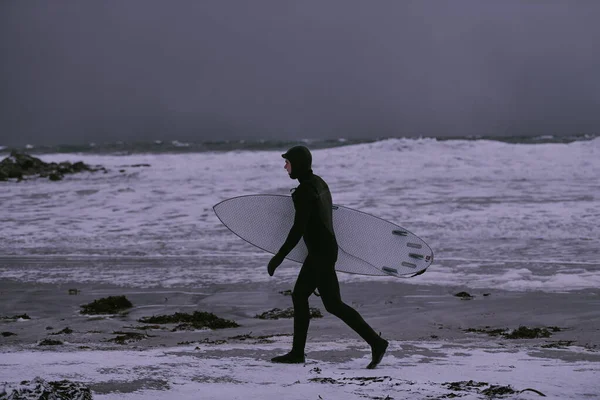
pixel 21 166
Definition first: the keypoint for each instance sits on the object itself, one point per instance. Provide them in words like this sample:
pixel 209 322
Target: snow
pixel 223 371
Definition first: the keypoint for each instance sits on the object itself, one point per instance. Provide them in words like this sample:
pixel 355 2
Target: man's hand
pixel 274 263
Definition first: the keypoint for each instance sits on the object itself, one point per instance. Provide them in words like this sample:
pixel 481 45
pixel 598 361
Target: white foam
pixel 478 200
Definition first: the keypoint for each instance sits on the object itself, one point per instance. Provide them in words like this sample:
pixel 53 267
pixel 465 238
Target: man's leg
pixel 305 286
pixel 329 288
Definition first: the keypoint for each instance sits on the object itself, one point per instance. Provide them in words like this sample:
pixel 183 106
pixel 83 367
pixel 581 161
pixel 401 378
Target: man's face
pixel 288 167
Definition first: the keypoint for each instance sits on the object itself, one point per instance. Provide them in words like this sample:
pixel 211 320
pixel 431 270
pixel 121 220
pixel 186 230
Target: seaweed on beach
pixel 50 342
pixel 107 305
pixel 66 331
pixel 204 341
pixel 277 313
pixel 522 332
pixel 324 380
pixel 197 320
pixel 215 342
pixel 491 332
pixel 491 392
pixel 16 317
pixel 39 388
pixel 498 390
pixel 464 296
pixel 127 337
pixel 264 339
pixel 356 380
pixel 246 336
pixel 561 344
pixel 365 380
pixel 464 385
pixel 144 327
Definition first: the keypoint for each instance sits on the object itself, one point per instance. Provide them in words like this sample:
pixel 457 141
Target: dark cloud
pixel 92 71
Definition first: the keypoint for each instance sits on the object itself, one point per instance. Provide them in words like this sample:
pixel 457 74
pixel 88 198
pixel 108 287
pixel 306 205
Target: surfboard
pixel 368 245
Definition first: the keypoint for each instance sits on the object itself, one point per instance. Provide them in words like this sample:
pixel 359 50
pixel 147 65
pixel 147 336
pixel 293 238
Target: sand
pixel 436 339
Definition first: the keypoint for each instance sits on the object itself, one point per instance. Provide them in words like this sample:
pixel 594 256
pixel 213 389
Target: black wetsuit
pixel 313 222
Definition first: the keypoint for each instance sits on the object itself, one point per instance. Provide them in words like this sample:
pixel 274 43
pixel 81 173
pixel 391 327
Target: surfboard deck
pixel 368 245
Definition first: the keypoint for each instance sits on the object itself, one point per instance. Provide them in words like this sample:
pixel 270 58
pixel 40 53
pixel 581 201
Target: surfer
pixel 313 222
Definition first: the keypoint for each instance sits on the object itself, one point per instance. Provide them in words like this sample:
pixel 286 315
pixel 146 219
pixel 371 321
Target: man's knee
pixel 334 306
pixel 298 298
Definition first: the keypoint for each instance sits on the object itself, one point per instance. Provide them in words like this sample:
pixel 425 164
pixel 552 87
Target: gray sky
pixel 75 71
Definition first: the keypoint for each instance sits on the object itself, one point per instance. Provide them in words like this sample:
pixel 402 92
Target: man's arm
pixel 303 205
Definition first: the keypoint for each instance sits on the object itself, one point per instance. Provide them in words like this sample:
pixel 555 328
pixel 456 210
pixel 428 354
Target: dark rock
pixel 7 334
pixel 80 166
pixel 55 177
pixel 277 313
pixel 18 165
pixel 197 320
pixel 286 292
pixel 107 305
pixel 39 389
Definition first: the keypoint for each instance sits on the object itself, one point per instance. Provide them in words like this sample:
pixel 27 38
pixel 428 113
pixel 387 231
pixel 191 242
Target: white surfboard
pixel 368 245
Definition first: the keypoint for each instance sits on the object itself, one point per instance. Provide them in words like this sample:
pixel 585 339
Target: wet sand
pixel 434 335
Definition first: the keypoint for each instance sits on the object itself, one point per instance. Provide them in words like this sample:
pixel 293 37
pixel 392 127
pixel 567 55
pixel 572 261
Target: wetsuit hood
pixel 301 160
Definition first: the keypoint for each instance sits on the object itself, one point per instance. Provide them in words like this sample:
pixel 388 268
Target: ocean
pixel 513 213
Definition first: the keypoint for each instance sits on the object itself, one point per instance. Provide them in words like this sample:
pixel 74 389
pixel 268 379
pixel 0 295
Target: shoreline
pixel 431 310
pixel 427 326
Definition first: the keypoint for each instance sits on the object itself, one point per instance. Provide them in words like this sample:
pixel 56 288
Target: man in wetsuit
pixel 313 222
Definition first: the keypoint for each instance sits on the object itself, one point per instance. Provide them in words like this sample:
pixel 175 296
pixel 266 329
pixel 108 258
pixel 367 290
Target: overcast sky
pixel 74 71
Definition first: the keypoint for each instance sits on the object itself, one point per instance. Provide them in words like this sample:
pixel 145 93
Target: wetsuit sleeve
pixel 303 204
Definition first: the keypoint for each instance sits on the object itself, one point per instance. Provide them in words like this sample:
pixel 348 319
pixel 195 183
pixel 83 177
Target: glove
pixel 274 263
